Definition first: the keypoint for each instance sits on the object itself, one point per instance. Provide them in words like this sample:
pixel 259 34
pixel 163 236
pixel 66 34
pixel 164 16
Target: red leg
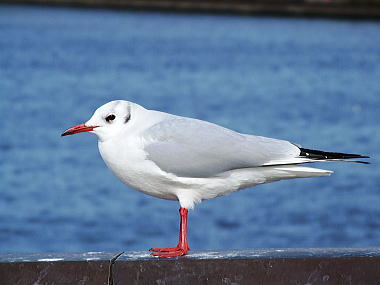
pixel 182 247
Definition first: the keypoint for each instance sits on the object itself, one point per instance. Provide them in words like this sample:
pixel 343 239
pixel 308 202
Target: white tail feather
pixel 280 172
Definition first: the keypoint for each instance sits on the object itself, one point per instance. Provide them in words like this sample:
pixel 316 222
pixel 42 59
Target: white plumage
pixel 190 160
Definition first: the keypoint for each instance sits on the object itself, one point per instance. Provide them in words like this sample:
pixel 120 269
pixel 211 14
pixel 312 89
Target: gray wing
pixel 192 148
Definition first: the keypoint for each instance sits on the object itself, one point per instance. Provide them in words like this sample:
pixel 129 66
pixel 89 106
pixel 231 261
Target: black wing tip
pixel 363 162
pixel 320 155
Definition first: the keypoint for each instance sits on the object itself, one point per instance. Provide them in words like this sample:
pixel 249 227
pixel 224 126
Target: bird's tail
pixel 318 155
pixel 280 172
pixel 287 169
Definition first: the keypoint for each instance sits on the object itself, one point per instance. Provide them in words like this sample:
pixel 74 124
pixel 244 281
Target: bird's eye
pixel 110 118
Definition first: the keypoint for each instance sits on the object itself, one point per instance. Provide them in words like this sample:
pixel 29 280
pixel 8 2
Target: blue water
pixel 314 82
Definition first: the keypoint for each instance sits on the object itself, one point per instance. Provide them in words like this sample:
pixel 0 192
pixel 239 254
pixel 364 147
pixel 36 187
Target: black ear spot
pixel 127 118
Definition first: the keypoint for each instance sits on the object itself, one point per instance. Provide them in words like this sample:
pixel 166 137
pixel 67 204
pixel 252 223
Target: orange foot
pixel 182 247
pixel 169 251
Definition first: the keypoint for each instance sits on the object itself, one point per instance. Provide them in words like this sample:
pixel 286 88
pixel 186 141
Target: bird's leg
pixel 182 247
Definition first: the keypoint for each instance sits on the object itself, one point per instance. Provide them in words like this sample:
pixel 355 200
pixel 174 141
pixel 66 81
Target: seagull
pixel 190 160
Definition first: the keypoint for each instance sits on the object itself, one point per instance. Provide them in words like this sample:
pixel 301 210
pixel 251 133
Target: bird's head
pixel 107 121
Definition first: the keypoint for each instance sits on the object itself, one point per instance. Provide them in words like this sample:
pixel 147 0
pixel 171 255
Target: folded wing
pixel 192 148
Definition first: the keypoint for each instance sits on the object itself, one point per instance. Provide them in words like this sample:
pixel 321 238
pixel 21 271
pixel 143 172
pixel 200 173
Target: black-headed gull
pixel 190 160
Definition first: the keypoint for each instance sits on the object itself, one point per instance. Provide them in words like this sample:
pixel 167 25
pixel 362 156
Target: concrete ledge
pixel 271 266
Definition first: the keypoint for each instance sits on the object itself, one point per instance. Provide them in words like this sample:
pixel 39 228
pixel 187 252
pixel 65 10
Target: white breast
pixel 128 162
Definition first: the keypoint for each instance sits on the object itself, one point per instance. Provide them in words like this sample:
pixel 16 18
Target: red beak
pixel 78 129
